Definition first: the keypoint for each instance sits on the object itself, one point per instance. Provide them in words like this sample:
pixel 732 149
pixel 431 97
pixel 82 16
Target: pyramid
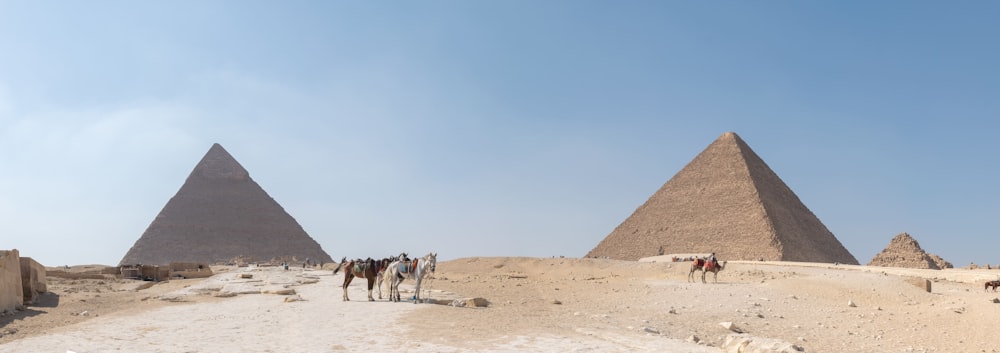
pixel 940 262
pixel 220 214
pixel 727 201
pixel 904 251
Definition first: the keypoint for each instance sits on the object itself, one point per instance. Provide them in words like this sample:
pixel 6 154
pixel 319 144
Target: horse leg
pixel 392 289
pixel 371 283
pixel 348 276
pixel 390 284
pixel 378 282
pixel 416 291
pixel 390 278
pixel 394 286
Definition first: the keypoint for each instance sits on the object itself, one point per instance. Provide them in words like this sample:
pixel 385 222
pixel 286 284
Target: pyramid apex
pixel 903 235
pixel 216 147
pixel 731 137
pixel 219 164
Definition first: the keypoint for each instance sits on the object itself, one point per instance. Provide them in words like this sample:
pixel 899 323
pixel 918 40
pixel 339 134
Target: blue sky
pixel 505 128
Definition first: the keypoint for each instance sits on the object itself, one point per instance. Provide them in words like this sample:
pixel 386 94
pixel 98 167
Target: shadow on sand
pixel 45 300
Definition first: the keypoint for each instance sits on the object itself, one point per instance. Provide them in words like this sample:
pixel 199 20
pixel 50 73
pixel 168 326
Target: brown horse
pixel 705 267
pixel 367 269
pixel 993 284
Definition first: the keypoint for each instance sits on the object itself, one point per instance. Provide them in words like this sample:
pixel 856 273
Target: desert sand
pixel 536 305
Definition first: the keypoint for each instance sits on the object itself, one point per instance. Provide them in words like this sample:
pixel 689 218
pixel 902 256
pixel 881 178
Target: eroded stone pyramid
pixel 727 201
pixel 940 262
pixel 904 251
pixel 221 214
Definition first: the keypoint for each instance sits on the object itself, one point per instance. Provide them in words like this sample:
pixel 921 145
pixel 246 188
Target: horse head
pixel 431 259
pixel 341 264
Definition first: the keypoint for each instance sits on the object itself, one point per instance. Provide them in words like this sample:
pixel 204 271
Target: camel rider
pixel 715 263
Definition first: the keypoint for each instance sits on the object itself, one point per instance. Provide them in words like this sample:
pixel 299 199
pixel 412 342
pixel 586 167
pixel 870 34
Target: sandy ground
pixel 536 304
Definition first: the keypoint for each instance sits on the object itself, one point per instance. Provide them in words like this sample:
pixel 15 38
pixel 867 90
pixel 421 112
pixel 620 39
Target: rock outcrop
pixel 743 343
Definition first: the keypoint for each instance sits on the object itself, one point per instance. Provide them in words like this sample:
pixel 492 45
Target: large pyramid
pixel 727 201
pixel 220 214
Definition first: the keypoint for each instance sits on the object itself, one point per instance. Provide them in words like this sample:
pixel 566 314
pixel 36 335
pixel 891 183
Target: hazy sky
pixel 495 128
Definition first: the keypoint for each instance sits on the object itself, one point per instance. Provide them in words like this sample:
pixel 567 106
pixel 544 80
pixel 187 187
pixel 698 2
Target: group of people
pixel 710 258
pixel 306 263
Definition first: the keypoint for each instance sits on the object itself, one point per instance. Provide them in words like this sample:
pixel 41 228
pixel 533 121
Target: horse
pixel 384 264
pixel 416 269
pixel 367 269
pixel 993 284
pixel 706 266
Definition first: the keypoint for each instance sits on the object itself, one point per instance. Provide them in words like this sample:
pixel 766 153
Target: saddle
pixel 708 264
pixel 408 266
pixel 361 265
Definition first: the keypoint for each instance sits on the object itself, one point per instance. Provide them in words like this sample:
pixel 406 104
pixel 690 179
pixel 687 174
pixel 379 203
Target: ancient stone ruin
pixel 904 251
pixel 727 201
pixel 220 214
pixel 11 294
pixel 22 280
pixel 33 280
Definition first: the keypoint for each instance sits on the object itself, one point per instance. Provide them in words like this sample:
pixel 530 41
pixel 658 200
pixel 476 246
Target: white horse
pixel 416 269
pixel 384 269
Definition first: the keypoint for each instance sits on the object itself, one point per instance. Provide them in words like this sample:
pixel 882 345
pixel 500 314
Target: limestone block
pixel 32 279
pixel 921 283
pixel 743 343
pixel 470 303
pixel 11 295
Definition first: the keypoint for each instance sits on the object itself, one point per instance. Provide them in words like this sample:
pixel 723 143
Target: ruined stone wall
pixel 32 279
pixel 190 270
pixel 154 273
pixel 10 280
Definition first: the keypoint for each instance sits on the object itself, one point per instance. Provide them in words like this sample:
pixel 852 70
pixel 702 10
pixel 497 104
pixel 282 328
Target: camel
pixel 705 267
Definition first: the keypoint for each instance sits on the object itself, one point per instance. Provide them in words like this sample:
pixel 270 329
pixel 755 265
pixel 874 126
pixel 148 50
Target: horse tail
pixel 389 277
pixel 341 264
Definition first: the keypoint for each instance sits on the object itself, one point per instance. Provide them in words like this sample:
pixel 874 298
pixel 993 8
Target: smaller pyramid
pixel 904 251
pixel 941 263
